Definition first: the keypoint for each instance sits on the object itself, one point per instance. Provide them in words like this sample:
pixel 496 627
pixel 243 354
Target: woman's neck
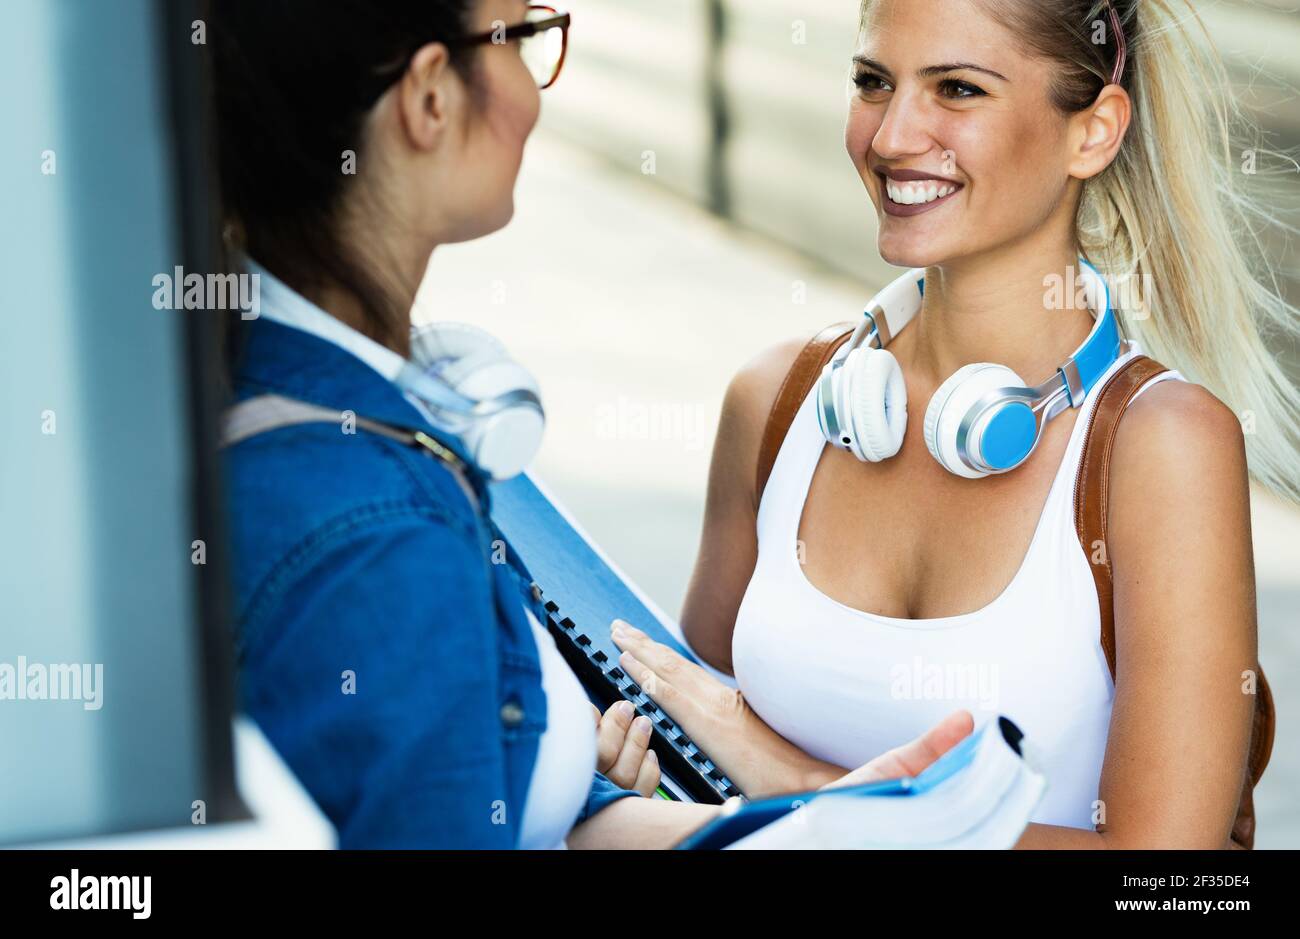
pixel 344 305
pixel 995 308
pixel 389 324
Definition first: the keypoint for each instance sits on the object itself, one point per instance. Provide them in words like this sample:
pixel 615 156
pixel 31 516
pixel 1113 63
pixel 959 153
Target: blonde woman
pixel 999 141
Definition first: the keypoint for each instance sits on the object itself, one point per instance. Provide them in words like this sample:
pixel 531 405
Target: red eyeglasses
pixel 543 41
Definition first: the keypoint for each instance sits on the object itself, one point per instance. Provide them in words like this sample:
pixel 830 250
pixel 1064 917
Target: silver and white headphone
pixel 478 393
pixel 982 419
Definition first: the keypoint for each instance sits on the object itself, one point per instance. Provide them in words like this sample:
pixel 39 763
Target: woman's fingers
pixel 663 674
pixel 654 654
pixel 611 731
pixel 702 706
pixel 627 768
pixel 915 756
pixel 658 689
pixel 623 753
pixel 647 780
pixel 911 758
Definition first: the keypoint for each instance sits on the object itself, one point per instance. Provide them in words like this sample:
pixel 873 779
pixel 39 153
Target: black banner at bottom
pixel 604 891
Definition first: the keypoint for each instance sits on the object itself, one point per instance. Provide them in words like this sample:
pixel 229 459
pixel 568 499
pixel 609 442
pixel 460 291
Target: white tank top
pixel 566 752
pixel 846 685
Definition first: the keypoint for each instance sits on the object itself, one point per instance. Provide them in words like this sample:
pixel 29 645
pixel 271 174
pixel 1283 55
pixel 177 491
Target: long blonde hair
pixel 1172 213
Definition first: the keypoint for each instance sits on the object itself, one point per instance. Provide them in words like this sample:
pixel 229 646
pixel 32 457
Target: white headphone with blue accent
pixel 477 392
pixel 982 419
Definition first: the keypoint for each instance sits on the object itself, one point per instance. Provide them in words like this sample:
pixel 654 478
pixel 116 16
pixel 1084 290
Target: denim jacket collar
pixel 279 359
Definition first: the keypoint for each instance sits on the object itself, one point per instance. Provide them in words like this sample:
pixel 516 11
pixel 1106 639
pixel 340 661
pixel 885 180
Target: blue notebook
pixel 584 593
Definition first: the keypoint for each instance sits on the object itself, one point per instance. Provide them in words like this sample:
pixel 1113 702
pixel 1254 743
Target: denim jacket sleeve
pixel 379 682
pixel 603 794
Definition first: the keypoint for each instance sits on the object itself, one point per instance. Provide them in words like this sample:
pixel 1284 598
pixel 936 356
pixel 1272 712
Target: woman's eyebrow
pixel 930 70
pixel 873 65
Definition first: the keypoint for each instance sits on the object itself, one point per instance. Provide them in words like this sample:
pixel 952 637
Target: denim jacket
pixel 386 658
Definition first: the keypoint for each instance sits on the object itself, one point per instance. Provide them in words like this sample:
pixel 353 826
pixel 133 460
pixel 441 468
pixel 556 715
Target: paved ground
pixel 634 309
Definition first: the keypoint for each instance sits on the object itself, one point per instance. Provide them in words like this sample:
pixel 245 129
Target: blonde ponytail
pixel 1179 216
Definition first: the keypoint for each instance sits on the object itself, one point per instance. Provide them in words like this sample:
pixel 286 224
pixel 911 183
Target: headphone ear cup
pixel 503 443
pixel 476 365
pixel 935 408
pixel 878 396
pixel 950 404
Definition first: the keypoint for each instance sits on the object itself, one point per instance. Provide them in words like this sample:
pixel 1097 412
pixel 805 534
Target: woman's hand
pixel 623 751
pixel 757 758
pixel 911 758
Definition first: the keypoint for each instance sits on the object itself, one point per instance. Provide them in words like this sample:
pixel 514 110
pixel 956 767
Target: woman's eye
pixel 869 82
pixel 955 88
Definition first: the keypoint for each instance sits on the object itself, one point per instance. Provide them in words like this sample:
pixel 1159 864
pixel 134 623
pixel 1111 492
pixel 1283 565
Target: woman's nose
pixel 905 129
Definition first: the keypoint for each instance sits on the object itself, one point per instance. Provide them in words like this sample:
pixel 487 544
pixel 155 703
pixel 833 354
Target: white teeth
pixel 916 193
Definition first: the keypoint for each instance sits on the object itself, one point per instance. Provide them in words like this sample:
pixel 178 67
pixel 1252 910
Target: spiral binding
pixel 688 765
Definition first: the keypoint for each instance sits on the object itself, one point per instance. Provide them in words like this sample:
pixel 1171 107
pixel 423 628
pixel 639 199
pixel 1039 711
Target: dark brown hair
pixel 293 81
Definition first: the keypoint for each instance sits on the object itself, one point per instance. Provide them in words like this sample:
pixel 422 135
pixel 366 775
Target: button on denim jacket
pixel 385 656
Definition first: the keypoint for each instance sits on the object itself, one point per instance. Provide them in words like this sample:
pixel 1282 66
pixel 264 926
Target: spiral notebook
pixel 585 592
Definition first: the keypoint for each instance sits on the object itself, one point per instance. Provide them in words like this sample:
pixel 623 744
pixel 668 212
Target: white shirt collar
pixel 282 304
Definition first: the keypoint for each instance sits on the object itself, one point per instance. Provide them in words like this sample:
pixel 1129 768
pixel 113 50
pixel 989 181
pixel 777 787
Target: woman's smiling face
pixel 953 133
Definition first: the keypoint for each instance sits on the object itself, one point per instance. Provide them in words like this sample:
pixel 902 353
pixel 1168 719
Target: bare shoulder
pixel 1177 429
pixel 1179 463
pixel 754 387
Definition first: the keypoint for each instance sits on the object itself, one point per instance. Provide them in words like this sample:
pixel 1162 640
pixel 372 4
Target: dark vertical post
pixel 193 146
pixel 719 189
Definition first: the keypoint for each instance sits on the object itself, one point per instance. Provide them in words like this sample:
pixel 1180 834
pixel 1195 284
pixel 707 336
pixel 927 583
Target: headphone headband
pixel 898 302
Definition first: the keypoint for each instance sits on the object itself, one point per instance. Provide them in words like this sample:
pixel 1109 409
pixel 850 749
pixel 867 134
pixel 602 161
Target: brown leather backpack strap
pixel 1261 739
pixel 1261 748
pixel 1091 497
pixel 798 382
pixel 1092 486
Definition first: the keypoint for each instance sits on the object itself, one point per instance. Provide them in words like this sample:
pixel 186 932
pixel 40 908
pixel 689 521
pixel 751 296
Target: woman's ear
pixel 1098 132
pixel 428 96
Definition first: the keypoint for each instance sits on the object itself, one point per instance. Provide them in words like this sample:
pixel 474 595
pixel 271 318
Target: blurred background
pixel 687 202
